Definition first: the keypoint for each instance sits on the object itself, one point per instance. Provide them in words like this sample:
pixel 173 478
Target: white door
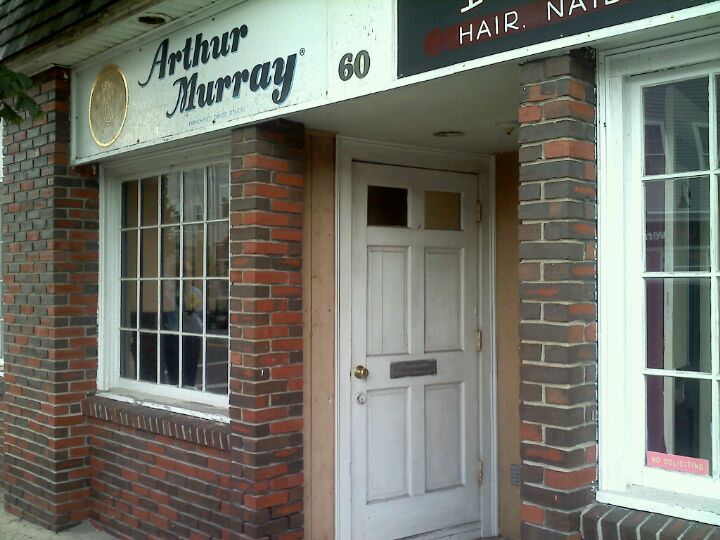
pixel 414 412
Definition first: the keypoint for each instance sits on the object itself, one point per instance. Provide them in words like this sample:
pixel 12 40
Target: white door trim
pixel 349 150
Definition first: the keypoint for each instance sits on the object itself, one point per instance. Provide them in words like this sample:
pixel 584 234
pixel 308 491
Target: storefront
pixel 411 269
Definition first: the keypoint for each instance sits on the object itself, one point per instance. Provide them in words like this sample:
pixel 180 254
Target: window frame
pixel 112 175
pixel 623 477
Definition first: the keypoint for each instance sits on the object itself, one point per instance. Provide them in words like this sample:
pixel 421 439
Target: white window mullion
pixel 715 266
pixel 203 340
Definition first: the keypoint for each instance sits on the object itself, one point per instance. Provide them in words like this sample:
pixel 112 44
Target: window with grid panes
pixel 174 281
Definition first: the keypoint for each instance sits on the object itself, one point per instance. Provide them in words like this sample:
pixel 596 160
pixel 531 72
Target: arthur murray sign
pixel 438 33
pixel 254 58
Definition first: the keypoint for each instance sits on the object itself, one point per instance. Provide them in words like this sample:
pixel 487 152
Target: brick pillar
pixel 50 227
pixel 558 294
pixel 266 375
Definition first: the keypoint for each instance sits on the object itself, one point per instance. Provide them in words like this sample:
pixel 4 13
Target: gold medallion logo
pixel 108 105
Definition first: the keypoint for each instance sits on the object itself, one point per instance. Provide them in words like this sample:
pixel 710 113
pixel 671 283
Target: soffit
pixel 115 25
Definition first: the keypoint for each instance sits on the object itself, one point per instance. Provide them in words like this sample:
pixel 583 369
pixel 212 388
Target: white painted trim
pixel 348 150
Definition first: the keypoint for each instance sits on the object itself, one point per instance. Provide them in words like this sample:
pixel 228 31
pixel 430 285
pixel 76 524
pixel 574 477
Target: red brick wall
pixel 159 475
pixel 50 227
pixel 266 375
pixel 558 294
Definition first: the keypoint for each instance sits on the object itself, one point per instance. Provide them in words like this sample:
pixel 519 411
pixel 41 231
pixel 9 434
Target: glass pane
pixel 678 424
pixel 442 210
pixel 128 263
pixel 387 207
pixel 170 202
pixel 170 252
pixel 193 251
pixel 192 362
pixel 218 191
pixel 149 253
pixel 192 307
pixel 678 324
pixel 128 350
pixel 150 201
pixel 128 304
pixel 170 305
pixel 717 96
pixel 194 195
pixel 676 109
pixel 149 304
pixel 217 306
pixel 148 357
pixel 218 249
pixel 130 204
pixel 216 371
pixel 677 225
pixel 169 359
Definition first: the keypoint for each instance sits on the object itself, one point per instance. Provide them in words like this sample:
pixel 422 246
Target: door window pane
pixel 677 225
pixel 678 324
pixel 442 210
pixel 678 424
pixel 677 108
pixel 387 207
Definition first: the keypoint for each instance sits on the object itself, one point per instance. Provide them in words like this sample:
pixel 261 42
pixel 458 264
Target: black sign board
pixel 438 33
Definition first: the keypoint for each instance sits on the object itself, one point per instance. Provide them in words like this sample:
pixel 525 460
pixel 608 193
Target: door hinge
pixel 478 212
pixel 480 472
pixel 479 340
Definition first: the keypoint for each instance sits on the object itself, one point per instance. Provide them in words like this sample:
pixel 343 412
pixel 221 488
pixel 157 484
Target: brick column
pixel 558 294
pixel 266 376
pixel 50 227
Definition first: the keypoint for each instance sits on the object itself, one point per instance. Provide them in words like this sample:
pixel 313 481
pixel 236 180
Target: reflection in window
pixel 677 225
pixel 174 279
pixel 671 112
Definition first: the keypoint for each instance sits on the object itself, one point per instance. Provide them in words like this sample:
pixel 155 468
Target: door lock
pixel 361 372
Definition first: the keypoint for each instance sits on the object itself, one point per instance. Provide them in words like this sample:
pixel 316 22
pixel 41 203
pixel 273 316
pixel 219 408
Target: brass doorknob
pixel 361 372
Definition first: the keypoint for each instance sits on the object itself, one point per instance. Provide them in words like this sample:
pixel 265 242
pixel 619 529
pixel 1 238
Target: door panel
pixel 414 296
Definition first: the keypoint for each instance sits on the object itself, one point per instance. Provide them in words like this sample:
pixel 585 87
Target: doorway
pixel 415 381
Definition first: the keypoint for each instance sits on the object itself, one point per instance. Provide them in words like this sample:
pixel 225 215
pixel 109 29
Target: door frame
pixel 348 151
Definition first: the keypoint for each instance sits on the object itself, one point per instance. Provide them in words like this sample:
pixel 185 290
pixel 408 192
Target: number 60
pixel 359 67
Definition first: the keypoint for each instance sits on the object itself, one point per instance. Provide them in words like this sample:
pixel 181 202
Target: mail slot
pixel 413 368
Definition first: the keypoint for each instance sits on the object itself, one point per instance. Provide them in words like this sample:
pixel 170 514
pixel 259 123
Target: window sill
pixel 175 421
pixel 213 413
pixel 667 503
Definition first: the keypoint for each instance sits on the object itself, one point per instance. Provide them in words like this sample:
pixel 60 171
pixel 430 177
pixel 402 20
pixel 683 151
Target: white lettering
pixel 577 4
pixel 560 12
pixel 484 29
pixel 472 4
pixel 511 24
pixel 467 34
